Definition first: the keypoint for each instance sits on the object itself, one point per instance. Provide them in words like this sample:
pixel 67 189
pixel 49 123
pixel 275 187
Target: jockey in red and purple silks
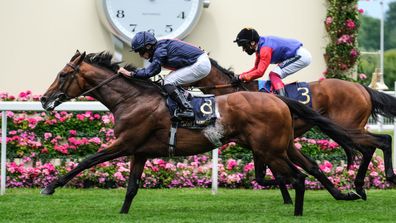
pixel 287 53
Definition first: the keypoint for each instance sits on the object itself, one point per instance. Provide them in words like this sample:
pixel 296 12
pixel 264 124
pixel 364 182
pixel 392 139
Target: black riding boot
pixel 281 92
pixel 185 106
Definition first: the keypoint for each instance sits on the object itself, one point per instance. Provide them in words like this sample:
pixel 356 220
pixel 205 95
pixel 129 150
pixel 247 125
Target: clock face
pixel 164 18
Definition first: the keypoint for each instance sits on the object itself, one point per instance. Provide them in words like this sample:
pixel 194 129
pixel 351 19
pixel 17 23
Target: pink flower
pixel 344 39
pixel 326 166
pixel 73 132
pixel 248 167
pixel 119 176
pixel 95 140
pixel 362 76
pixel 329 20
pixel 361 11
pixel 231 163
pixel 298 145
pixel 350 24
pixel 354 53
pixel 47 135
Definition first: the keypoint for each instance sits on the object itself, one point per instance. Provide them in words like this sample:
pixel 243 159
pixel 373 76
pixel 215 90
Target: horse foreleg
pixel 299 186
pixel 99 157
pixel 135 174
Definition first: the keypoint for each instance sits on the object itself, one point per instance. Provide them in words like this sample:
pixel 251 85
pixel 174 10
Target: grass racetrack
pixel 190 205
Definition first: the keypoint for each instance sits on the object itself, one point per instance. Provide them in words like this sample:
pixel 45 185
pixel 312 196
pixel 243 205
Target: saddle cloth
pixel 204 107
pixel 299 91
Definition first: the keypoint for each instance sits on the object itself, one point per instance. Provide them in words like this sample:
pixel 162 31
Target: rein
pixel 101 84
pixel 76 69
pixel 219 86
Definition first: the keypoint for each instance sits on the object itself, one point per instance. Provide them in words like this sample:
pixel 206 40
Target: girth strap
pixel 172 138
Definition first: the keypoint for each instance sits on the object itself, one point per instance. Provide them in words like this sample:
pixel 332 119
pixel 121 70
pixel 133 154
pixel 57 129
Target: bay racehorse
pixel 142 123
pixel 346 103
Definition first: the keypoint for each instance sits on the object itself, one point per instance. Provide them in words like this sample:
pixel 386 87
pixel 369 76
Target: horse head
pixel 68 84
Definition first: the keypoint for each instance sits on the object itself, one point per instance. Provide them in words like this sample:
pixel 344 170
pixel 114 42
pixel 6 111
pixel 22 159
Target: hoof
pixel 288 202
pixel 362 194
pixel 391 179
pixel 47 191
pixel 356 196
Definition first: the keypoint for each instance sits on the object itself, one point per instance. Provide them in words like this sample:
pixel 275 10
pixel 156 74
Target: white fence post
pixel 3 150
pixel 34 106
pixel 394 134
pixel 215 171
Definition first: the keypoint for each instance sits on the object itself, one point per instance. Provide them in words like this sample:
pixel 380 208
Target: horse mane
pixel 104 59
pixel 228 71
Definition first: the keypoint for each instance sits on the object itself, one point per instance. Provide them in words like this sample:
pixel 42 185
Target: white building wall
pixel 38 37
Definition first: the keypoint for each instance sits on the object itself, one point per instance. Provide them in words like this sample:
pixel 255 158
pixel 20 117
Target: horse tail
pixel 382 104
pixel 343 137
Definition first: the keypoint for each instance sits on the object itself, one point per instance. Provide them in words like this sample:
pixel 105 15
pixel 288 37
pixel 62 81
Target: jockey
pixel 189 64
pixel 288 54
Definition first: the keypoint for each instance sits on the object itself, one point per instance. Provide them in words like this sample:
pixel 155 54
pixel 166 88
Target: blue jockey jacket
pixel 172 54
pixel 271 50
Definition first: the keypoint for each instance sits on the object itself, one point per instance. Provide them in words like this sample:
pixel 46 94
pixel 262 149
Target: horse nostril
pixel 43 99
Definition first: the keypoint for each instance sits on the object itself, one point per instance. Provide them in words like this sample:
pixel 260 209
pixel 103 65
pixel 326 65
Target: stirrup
pixel 281 92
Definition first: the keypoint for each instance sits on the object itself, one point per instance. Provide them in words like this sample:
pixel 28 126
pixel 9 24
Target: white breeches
pixel 290 66
pixel 190 74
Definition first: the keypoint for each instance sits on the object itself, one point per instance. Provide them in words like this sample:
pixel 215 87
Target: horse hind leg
pixel 386 147
pixel 384 142
pixel 260 170
pixel 367 153
pixel 312 168
pixel 286 169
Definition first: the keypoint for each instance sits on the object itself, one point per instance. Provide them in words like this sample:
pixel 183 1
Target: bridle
pixel 76 70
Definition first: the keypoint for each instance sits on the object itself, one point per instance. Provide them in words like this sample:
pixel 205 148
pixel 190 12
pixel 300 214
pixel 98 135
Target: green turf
pixel 190 205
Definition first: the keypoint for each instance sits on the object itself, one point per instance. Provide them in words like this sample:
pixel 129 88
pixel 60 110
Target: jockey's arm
pixel 263 62
pixel 155 66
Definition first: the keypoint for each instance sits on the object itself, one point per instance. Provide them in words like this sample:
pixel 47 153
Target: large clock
pixel 164 18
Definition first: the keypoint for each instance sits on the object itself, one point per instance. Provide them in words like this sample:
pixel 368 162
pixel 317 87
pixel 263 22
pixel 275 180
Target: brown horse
pixel 142 123
pixel 347 104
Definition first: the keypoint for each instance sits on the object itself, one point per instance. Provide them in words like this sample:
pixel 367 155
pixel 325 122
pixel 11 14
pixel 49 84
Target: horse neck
pixel 114 93
pixel 218 78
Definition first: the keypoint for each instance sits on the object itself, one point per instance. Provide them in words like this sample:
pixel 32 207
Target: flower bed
pixel 39 137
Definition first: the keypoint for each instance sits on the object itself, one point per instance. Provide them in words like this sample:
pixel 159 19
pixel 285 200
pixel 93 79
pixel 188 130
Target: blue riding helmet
pixel 141 39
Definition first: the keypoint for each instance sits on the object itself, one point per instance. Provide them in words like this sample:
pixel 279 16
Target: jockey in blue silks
pixel 288 54
pixel 189 64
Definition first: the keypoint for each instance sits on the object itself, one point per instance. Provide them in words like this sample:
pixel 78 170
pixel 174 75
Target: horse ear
pixel 76 54
pixel 81 59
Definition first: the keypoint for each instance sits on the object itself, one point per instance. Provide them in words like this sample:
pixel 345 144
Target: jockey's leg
pixel 277 83
pixel 182 102
pixel 183 76
pixel 290 66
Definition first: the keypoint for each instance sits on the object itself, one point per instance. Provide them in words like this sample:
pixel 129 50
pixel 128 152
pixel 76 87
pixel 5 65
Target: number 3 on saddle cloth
pixel 299 91
pixel 204 107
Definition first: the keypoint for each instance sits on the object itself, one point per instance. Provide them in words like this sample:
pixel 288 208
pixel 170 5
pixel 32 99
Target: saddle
pixel 203 107
pixel 299 91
